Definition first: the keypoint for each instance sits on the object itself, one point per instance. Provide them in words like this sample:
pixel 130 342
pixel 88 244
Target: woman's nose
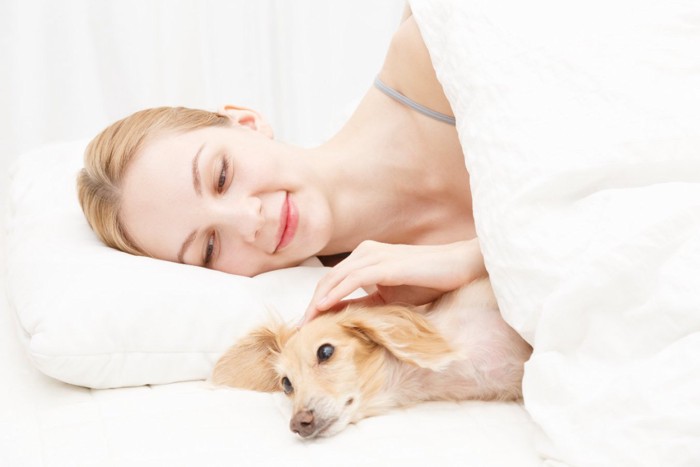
pixel 242 216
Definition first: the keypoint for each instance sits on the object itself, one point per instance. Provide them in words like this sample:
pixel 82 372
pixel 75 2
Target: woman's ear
pixel 246 117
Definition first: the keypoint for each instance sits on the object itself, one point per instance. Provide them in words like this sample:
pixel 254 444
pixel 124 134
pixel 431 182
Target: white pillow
pixel 97 317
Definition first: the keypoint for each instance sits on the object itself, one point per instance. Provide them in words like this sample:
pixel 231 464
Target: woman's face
pixel 227 198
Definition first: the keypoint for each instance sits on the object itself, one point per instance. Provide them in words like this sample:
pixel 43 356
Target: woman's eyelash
pixel 210 250
pixel 222 175
pixel 221 183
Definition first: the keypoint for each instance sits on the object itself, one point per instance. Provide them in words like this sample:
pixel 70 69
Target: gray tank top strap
pixel 411 103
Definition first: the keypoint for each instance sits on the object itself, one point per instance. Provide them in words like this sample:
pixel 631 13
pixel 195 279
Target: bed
pixel 44 422
pixel 581 139
pixel 128 364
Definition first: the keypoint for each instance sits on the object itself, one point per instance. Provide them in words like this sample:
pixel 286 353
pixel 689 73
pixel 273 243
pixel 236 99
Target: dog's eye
pixel 324 352
pixel 287 385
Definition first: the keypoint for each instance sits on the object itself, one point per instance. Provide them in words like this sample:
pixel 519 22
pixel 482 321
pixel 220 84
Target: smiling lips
pixel 289 218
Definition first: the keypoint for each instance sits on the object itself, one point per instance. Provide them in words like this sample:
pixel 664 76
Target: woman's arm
pixel 415 274
pixel 407 13
pixel 408 68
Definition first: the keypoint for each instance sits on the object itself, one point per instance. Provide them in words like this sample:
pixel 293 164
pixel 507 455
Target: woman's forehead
pixel 166 146
pixel 157 190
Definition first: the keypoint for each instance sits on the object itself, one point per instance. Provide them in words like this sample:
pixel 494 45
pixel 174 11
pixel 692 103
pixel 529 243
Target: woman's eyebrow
pixel 195 172
pixel 181 254
pixel 196 182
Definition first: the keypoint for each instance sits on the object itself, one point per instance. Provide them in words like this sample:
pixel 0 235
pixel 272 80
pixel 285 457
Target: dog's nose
pixel 303 423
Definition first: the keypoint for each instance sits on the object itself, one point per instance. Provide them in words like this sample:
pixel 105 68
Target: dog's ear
pixel 403 332
pixel 249 364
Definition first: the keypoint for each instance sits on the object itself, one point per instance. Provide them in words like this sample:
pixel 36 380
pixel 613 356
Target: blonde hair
pixel 108 156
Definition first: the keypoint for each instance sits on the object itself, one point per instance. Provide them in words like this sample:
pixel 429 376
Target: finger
pixel 354 281
pixel 374 299
pixel 319 301
pixel 313 312
pixel 311 315
pixel 355 261
pixel 327 297
pixel 335 277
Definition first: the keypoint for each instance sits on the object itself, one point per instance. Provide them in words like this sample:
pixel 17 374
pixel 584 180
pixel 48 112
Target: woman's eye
pixel 222 175
pixel 287 385
pixel 324 352
pixel 210 250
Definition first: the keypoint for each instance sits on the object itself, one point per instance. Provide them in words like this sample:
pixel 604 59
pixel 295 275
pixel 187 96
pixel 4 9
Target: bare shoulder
pixel 409 69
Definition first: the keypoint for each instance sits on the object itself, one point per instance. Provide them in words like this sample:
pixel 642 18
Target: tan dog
pixel 342 367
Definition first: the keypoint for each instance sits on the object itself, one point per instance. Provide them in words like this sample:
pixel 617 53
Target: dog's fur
pixel 388 356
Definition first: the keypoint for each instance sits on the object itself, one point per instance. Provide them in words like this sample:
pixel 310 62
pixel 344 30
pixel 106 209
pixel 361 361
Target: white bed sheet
pixel 44 422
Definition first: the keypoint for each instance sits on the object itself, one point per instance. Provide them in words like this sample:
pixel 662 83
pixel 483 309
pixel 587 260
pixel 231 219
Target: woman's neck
pixel 384 183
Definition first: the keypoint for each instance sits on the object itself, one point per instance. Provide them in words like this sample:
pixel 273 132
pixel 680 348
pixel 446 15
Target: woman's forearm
pixel 397 269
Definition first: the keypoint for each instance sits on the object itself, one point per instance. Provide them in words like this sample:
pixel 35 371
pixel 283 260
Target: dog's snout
pixel 303 423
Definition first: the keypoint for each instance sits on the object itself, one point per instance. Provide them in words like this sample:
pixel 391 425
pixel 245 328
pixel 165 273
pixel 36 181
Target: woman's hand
pixel 414 274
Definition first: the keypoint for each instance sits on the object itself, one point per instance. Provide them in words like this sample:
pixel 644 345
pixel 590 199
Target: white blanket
pixel 581 128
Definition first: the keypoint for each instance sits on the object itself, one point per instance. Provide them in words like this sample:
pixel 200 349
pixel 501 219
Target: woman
pixel 216 190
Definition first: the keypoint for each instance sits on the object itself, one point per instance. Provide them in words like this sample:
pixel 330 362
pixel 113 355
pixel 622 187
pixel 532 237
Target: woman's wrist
pixel 472 260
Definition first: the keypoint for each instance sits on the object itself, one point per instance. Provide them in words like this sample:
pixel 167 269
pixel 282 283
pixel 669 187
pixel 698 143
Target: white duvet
pixel 581 128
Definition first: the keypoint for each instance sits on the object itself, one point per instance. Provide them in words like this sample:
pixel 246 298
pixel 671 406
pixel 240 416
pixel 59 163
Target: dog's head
pixel 335 367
